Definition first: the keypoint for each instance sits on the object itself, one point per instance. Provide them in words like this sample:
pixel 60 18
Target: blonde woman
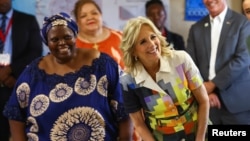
pixel 165 84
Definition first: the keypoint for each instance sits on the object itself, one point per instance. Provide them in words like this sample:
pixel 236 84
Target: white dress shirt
pixel 216 26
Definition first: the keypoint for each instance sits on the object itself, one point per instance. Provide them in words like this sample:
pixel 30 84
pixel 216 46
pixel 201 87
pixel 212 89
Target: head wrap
pixel 55 20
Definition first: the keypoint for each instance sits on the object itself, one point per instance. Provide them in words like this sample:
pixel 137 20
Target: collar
pixel 221 16
pixel 8 14
pixel 142 74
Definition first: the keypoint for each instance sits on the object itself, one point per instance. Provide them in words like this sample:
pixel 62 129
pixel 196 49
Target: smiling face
pixel 147 46
pixel 61 43
pixel 215 7
pixel 246 8
pixel 89 18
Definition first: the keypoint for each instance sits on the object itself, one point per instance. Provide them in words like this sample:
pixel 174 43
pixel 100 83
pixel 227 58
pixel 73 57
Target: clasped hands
pixel 6 79
pixel 213 97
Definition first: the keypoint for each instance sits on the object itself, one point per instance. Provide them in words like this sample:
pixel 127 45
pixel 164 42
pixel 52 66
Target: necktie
pixel 2 28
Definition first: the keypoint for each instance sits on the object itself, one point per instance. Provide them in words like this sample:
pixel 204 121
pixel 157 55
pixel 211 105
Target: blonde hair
pixel 130 34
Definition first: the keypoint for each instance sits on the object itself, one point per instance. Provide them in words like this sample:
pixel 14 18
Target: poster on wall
pixel 195 10
pixel 115 13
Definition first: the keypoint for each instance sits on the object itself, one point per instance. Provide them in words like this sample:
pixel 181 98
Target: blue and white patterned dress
pixel 82 106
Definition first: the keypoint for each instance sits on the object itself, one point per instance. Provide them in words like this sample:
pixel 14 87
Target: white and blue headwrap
pixel 55 20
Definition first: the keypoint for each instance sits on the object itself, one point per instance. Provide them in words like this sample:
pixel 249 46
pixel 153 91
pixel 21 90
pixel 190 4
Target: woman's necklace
pixel 96 46
pixel 102 35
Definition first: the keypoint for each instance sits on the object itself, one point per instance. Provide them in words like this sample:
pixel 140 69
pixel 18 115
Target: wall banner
pixel 195 10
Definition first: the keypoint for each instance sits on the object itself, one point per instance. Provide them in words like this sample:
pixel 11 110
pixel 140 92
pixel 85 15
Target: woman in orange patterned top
pixel 92 32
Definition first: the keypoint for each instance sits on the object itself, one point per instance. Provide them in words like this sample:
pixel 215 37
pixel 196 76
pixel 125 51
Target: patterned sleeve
pixel 193 74
pixel 131 101
pixel 16 107
pixel 115 91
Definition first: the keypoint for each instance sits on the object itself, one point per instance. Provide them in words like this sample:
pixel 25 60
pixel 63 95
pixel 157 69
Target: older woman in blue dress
pixel 70 94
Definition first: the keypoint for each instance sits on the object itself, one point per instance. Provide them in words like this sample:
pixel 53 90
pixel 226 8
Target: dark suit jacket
pixel 26 40
pixel 232 63
pixel 175 39
pixel 26 46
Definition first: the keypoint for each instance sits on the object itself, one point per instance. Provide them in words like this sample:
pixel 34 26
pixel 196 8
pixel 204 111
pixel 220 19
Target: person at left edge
pixel 70 94
pixel 22 44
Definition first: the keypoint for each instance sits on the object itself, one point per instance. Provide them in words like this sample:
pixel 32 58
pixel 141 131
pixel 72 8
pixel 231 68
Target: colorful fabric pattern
pixel 168 103
pixel 110 46
pixel 85 105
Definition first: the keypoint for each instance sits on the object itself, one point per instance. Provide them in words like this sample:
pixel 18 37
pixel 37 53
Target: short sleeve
pixel 16 107
pixel 131 101
pixel 192 72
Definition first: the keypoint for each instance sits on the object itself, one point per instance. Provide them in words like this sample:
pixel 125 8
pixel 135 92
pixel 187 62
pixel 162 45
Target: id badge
pixel 4 59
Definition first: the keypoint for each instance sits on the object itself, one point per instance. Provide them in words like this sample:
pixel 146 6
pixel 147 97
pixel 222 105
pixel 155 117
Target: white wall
pixel 114 10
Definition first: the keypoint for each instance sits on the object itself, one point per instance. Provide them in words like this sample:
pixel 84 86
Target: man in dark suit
pixel 21 44
pixel 156 12
pixel 218 46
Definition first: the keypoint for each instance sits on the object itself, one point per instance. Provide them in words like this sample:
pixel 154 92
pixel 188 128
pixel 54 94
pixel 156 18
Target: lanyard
pixel 3 35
